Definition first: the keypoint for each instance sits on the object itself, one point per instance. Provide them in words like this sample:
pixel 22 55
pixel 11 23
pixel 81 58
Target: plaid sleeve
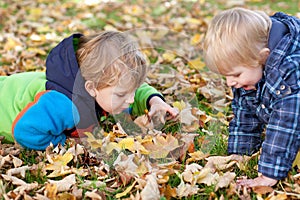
pixel 282 138
pixel 245 129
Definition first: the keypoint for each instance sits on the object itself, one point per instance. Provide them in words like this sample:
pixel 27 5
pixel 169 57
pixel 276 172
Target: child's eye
pixel 120 95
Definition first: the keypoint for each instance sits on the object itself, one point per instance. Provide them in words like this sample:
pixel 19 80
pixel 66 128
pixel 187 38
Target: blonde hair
pixel 109 58
pixel 235 37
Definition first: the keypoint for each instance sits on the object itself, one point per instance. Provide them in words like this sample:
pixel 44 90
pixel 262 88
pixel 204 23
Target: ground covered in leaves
pixel 125 159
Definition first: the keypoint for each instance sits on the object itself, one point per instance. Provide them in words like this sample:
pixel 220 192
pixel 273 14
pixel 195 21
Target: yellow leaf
pixel 196 39
pixel 36 50
pixel 169 56
pixel 180 105
pixel 161 146
pixel 37 38
pixel 196 64
pixel 12 44
pixel 119 195
pixel 59 161
pixel 127 143
pixel 131 145
pixel 193 21
pixel 36 11
pixel 297 160
pixel 94 143
pixel 51 190
pixel 196 156
pixel 112 146
pixel 61 172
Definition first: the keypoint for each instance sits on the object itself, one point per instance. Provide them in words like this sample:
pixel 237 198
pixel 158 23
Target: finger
pixel 173 111
pixel 151 113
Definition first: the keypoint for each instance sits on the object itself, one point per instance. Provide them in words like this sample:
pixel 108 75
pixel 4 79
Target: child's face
pixel 244 77
pixel 114 99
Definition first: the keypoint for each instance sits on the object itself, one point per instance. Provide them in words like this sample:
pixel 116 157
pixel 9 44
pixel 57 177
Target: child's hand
pixel 259 181
pixel 159 107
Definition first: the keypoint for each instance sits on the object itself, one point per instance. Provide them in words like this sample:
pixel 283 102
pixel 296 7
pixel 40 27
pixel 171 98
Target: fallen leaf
pixel 161 146
pixel 225 180
pixel 151 190
pixel 65 184
pixel 125 192
pixel 262 189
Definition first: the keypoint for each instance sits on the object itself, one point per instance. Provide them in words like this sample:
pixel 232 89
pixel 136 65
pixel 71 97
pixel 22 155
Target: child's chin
pixel 116 112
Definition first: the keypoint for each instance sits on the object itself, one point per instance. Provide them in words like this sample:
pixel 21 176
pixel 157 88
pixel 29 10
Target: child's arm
pixel 282 142
pixel 43 121
pixel 148 98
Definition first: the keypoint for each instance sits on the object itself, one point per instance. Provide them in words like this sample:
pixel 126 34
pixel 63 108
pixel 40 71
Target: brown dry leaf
pixel 10 159
pixel 274 196
pixel 93 195
pixel 186 117
pixel 262 189
pixel 225 180
pixel 161 146
pixel 20 170
pixel 14 180
pixel 17 162
pixel 220 162
pixel 190 170
pixel 151 190
pixel 144 123
pixel 65 184
pixel 26 188
pixel 50 190
pixel 186 189
pixel 168 192
pixel 196 156
pixel 206 177
pixel 197 64
pixel 93 142
pixel 126 164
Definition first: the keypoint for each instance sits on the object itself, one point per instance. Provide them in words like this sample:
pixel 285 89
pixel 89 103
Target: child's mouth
pixel 249 87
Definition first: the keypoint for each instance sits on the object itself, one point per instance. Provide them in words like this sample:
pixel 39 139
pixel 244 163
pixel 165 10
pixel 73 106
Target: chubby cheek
pixel 105 104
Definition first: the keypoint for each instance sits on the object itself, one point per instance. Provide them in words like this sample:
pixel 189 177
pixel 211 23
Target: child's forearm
pixel 44 121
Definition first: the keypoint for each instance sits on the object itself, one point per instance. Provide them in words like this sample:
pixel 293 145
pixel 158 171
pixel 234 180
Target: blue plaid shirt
pixel 274 106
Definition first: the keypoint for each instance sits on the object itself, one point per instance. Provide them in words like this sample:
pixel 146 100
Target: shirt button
pixel 263 106
pixel 277 92
pixel 282 87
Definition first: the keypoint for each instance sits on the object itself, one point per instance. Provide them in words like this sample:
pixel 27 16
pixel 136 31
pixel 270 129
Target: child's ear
pixel 90 88
pixel 263 55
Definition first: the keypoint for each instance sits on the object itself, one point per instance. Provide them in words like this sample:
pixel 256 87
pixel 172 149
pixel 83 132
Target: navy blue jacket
pixel 275 105
pixel 64 76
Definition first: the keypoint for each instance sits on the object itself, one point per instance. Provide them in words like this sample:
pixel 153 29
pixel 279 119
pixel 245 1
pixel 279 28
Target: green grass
pixel 290 7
